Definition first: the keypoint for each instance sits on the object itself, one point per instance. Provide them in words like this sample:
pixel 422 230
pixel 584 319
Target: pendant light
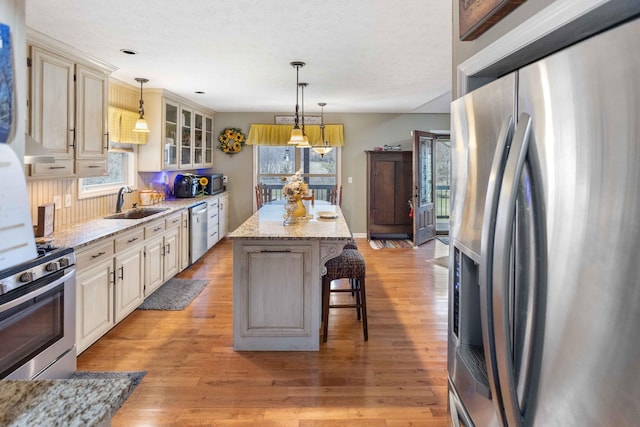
pixel 296 133
pixel 325 147
pixel 305 138
pixel 141 123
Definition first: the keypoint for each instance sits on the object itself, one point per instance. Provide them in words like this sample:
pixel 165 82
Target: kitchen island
pixel 277 272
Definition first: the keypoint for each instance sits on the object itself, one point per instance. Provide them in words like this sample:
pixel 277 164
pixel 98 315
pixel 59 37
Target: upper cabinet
pixel 67 108
pixel 181 134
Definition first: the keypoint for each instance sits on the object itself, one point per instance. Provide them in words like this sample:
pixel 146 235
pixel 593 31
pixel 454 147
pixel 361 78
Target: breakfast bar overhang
pixel 277 271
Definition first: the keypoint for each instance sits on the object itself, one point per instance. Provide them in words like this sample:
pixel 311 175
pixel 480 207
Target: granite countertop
pixel 86 232
pixel 78 402
pixel 267 223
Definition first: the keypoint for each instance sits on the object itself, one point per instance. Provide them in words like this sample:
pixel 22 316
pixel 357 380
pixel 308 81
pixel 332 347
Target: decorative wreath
pixel 231 140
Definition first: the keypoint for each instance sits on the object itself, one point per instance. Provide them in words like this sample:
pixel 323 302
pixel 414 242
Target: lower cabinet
pixel 94 294
pixel 184 240
pixel 115 274
pixel 274 287
pixel 223 215
pixel 129 276
pixel 161 253
pixel 212 222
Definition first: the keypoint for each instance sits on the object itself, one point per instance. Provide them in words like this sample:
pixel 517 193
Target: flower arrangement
pixel 295 185
pixel 231 140
pixel 203 184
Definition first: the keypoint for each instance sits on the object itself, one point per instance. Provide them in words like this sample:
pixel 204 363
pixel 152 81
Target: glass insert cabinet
pixel 181 134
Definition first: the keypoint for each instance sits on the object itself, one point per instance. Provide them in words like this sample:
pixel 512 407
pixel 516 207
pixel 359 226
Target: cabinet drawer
pixel 213 204
pixel 173 220
pixel 154 229
pixel 91 167
pixel 59 168
pixel 212 220
pixel 129 239
pixel 96 252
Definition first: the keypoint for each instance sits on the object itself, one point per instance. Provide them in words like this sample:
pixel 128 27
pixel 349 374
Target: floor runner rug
pixel 390 244
pixel 176 294
pixel 443 239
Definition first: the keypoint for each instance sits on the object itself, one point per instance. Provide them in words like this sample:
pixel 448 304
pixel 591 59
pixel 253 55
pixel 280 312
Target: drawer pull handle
pixel 275 252
pixel 93 166
pixel 132 240
pixel 157 229
pixel 57 167
pixel 99 254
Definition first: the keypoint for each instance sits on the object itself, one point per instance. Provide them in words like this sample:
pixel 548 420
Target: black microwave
pixel 215 183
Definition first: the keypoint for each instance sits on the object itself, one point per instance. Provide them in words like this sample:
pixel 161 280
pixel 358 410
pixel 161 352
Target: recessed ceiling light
pixel 199 92
pixel 128 51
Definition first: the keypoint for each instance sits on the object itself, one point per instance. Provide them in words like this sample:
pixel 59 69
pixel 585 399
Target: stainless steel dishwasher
pixel 197 231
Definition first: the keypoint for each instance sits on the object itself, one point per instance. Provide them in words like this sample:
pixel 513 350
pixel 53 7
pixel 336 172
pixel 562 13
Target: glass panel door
pixel 187 138
pixel 197 140
pixel 443 184
pixel 170 132
pixel 208 140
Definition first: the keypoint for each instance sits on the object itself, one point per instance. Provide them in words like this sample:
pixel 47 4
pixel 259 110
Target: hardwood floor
pixel 194 378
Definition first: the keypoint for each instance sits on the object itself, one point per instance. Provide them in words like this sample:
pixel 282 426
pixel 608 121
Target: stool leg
pixel 363 298
pixel 326 294
pixel 358 291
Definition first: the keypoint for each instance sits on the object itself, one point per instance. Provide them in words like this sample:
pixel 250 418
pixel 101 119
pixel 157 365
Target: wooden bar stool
pixel 348 265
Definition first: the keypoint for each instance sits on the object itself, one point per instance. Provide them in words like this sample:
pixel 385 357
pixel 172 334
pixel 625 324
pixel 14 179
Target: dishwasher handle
pixel 199 209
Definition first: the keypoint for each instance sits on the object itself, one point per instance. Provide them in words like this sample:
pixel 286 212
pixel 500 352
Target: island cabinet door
pixel 275 296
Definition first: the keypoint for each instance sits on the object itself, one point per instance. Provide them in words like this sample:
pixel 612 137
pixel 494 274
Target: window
pixel 121 167
pixel 274 162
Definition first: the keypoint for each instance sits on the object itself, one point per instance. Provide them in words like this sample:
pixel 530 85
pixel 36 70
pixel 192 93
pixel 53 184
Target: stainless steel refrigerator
pixel 544 307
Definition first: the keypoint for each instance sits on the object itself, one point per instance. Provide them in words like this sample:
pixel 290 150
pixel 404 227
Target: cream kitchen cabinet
pixel 212 221
pixel 223 215
pixel 184 240
pixel 181 133
pixel 67 109
pixel 94 293
pixel 129 273
pixel 162 254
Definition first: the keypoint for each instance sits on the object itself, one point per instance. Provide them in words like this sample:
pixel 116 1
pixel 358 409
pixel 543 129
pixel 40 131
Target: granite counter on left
pixel 78 402
pixel 83 233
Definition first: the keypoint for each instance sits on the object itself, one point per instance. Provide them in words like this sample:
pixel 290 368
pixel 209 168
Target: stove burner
pixel 45 248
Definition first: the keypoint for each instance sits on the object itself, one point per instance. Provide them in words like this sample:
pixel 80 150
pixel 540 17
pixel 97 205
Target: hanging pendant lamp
pixel 296 133
pixel 305 139
pixel 324 148
pixel 141 123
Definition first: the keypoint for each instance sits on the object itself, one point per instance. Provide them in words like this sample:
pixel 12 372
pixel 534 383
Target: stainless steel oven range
pixel 37 316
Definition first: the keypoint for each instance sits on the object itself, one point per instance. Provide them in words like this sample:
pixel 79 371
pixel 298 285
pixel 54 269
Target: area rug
pixel 443 239
pixel 85 398
pixel 176 294
pixel 113 380
pixel 390 244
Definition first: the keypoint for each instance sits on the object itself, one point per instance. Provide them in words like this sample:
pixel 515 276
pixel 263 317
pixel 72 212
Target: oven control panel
pixel 23 274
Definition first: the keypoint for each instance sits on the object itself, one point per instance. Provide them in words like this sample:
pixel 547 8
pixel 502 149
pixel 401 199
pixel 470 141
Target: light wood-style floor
pixel 397 378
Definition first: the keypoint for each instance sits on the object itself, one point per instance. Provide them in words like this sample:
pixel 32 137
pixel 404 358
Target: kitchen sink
pixel 136 213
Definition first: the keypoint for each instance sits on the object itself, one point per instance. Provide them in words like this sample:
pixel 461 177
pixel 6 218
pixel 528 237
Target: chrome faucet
pixel 120 200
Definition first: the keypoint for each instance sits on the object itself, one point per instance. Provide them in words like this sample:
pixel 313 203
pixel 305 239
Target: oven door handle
pixel 68 274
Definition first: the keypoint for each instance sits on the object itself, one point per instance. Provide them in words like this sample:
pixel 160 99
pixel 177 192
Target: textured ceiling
pixel 388 56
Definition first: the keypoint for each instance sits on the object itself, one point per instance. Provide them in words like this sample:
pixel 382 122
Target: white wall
pixel 361 131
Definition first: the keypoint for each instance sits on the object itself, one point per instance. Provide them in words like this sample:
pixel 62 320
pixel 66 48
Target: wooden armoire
pixel 389 183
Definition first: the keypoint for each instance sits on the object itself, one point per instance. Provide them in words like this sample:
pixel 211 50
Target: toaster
pixel 185 185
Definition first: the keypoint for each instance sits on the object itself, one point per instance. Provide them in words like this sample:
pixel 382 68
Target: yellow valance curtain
pixel 121 124
pixel 280 134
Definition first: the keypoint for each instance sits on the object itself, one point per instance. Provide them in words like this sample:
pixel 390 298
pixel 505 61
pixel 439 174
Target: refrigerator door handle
pixel 501 270
pixel 487 248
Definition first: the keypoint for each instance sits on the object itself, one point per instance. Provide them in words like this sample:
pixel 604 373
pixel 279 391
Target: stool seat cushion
pixel 348 265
